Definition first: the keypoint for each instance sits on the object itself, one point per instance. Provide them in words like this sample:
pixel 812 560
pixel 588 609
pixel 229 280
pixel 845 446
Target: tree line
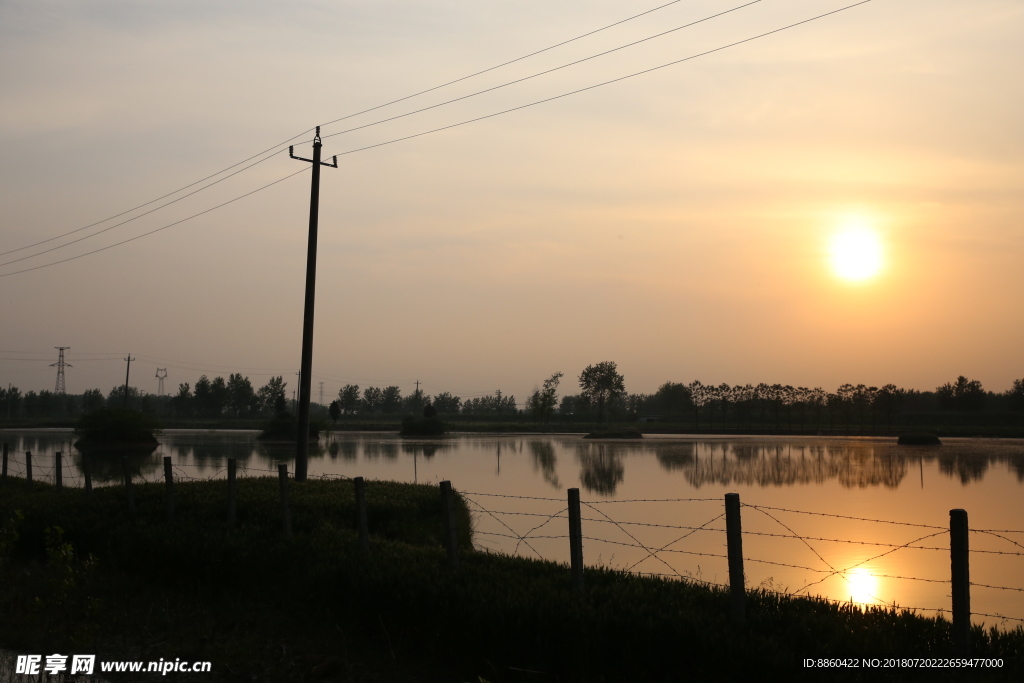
pixel 602 396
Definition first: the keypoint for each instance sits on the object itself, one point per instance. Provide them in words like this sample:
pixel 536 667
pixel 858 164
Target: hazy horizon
pixel 678 223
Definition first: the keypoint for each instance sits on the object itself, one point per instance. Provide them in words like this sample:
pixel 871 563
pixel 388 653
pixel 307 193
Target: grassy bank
pixel 313 607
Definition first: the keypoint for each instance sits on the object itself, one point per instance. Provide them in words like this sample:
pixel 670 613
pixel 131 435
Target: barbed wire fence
pixel 531 528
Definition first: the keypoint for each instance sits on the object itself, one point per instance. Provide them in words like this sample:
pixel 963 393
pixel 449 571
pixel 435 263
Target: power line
pixel 463 123
pixel 604 83
pixel 279 145
pixel 145 234
pixel 546 71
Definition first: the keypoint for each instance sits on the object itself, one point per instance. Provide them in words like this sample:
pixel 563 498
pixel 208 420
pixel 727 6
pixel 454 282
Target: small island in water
pixel 109 428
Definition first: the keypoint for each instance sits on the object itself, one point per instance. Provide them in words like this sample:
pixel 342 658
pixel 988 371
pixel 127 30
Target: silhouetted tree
pixel 415 402
pixel 964 394
pixel 271 398
pixel 373 398
pixel 241 399
pixel 542 402
pixel 335 411
pixel 391 400
pixel 446 404
pixel 348 398
pixel 1016 395
pixel 181 403
pixel 602 384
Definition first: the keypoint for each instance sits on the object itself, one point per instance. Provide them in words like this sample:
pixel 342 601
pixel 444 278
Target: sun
pixel 855 253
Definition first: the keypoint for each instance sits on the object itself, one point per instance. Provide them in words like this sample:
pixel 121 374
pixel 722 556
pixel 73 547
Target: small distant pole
pixel 128 488
pixel 28 465
pixel 451 538
pixel 58 471
pixel 169 488
pixel 4 474
pixel 128 368
pixel 960 571
pixel 232 490
pixel 734 540
pixel 86 474
pixel 286 512
pixel 575 541
pixel 361 525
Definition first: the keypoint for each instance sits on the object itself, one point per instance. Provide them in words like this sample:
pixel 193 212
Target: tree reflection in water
pixel 545 460
pixel 601 468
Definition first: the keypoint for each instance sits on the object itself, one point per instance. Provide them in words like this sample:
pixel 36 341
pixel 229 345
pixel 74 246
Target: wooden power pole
pixel 302 437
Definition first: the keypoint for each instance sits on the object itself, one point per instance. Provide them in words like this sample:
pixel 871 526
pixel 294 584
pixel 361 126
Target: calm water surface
pixel 639 494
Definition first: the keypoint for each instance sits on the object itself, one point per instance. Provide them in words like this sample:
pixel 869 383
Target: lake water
pixel 656 505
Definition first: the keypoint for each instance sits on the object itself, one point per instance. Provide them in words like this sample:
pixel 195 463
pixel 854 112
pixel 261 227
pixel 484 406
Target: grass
pixel 312 607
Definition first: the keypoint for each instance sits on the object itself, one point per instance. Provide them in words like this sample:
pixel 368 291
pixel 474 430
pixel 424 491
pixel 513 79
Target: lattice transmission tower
pixel 160 381
pixel 60 365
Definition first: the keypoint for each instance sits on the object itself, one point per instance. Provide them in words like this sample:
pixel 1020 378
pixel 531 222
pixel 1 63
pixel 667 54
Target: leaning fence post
pixel 282 475
pixel 364 533
pixel 734 540
pixel 169 488
pixel 28 465
pixel 4 474
pixel 58 472
pixel 232 491
pixel 128 489
pixel 86 474
pixel 575 541
pixel 960 574
pixel 451 539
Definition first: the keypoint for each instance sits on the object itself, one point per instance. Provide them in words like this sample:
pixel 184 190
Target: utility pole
pixel 60 365
pixel 129 360
pixel 302 440
pixel 321 393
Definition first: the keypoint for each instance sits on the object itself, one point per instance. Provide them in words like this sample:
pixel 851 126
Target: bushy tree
pixel 335 411
pixel 1016 395
pixel 271 398
pixel 391 400
pixel 373 399
pixel 241 399
pixel 542 401
pixel 964 394
pixel 348 398
pixel 92 400
pixel 602 384
pixel 446 404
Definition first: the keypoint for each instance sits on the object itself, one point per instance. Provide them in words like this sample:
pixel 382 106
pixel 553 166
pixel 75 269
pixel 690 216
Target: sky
pixel 680 223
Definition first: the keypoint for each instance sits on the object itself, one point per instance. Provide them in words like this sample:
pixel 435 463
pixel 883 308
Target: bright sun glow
pixel 856 253
pixel 862 586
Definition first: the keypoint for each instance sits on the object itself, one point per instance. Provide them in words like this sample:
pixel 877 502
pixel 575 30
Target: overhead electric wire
pixel 463 123
pixel 279 145
pixel 545 72
pixel 145 234
pixel 133 218
pixel 368 125
pixel 604 83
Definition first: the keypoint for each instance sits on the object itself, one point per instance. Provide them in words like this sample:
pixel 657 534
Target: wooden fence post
pixel 960 574
pixel 128 489
pixel 58 471
pixel 4 474
pixel 575 541
pixel 361 525
pixel 86 474
pixel 232 491
pixel 282 475
pixel 734 540
pixel 28 465
pixel 451 539
pixel 169 488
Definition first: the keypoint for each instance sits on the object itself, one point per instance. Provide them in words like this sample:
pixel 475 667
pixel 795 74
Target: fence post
pixel 451 539
pixel 128 489
pixel 4 474
pixel 232 491
pixel 58 471
pixel 364 533
pixel 734 540
pixel 282 476
pixel 960 574
pixel 86 473
pixel 169 488
pixel 575 541
pixel 28 465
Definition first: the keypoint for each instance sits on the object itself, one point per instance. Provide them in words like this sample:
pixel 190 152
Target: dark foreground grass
pixel 315 608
